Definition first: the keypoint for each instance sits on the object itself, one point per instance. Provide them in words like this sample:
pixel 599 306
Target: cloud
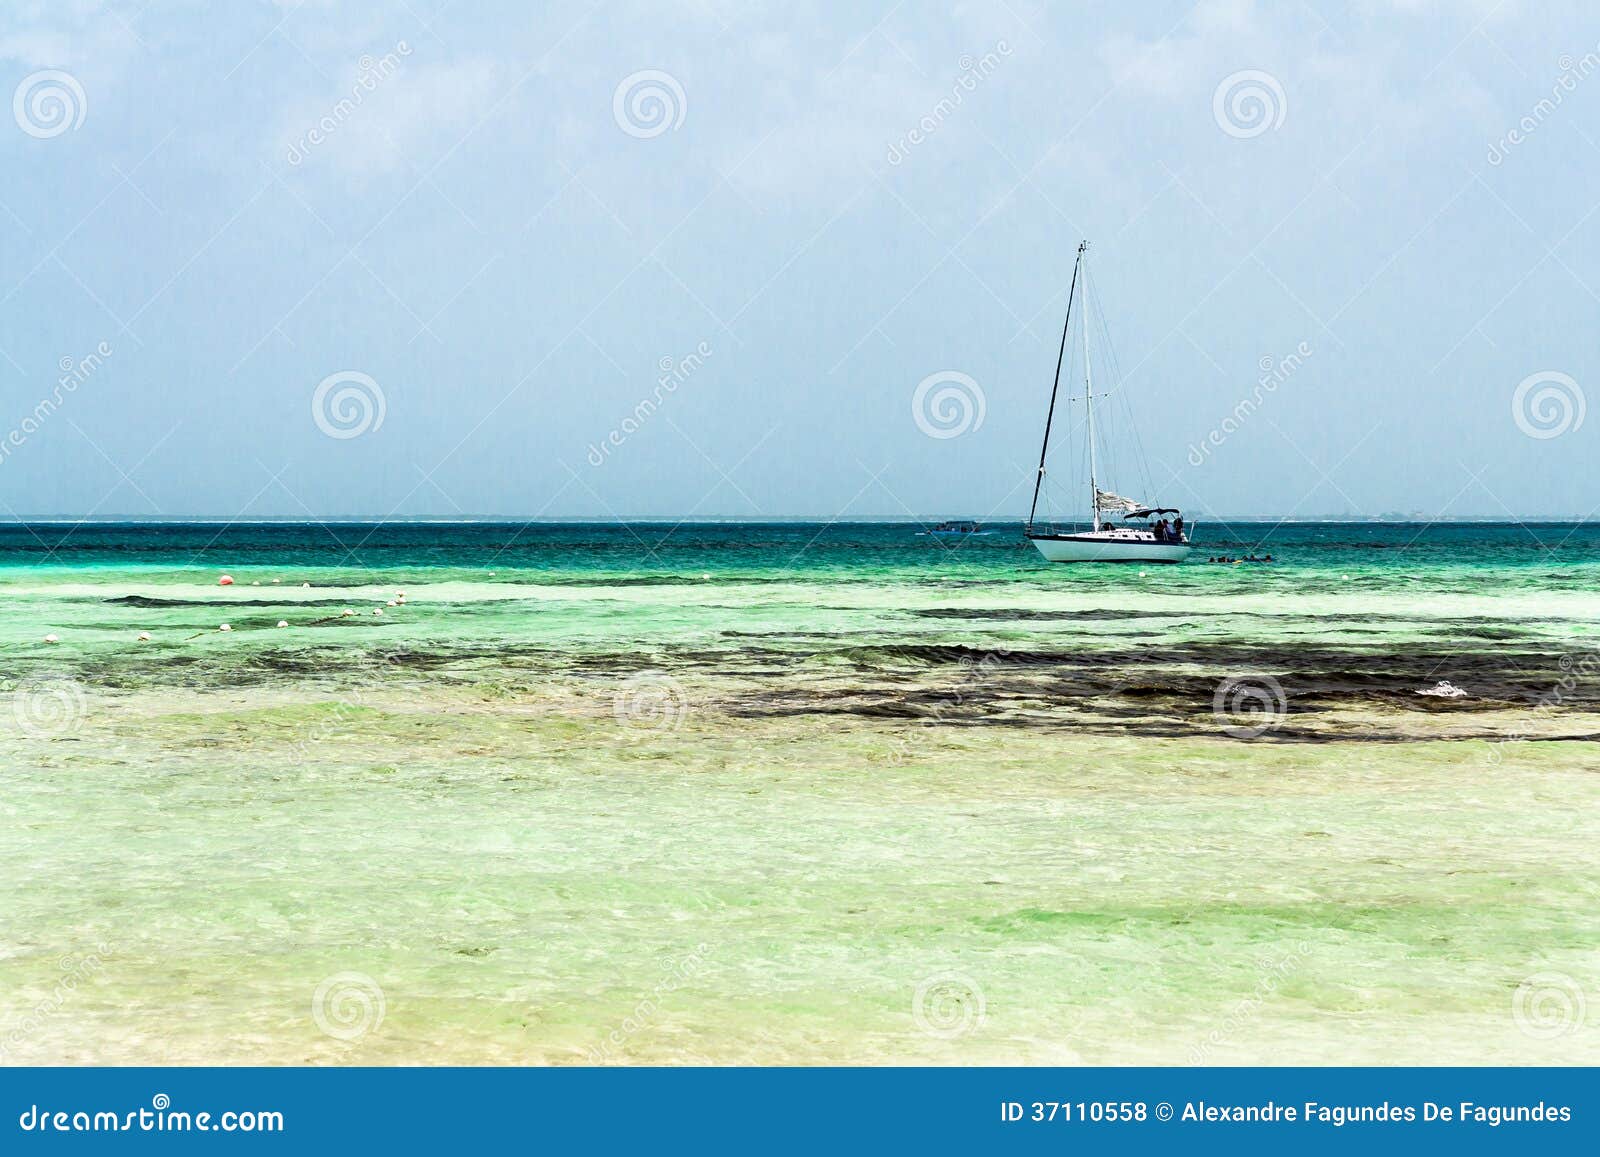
pixel 1328 72
pixel 392 111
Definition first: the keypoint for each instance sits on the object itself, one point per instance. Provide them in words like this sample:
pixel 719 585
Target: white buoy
pixel 275 582
pixel 225 627
pixel 346 614
pixel 52 639
pixel 281 623
pixel 256 583
pixel 304 585
pixel 144 636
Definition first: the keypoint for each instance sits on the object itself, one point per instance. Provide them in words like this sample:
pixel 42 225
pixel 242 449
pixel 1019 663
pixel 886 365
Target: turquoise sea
pixel 797 793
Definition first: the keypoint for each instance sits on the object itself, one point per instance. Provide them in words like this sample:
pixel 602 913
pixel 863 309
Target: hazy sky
pixel 497 221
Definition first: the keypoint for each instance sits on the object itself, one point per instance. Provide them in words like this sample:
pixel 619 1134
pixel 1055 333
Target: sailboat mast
pixel 1088 402
pixel 1061 355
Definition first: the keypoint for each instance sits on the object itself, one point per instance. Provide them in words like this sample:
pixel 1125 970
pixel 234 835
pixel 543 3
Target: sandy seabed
pixel 462 877
pixel 992 817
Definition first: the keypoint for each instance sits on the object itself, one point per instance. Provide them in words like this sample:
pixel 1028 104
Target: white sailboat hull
pixel 1108 547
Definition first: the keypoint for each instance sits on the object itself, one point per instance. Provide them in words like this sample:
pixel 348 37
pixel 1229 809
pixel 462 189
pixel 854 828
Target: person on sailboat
pixel 1160 529
pixel 1177 527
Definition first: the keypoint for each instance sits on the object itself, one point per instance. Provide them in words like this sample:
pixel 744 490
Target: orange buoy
pixel 225 581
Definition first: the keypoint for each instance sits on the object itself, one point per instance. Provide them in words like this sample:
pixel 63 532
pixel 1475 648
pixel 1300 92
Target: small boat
pixel 1145 534
pixel 956 530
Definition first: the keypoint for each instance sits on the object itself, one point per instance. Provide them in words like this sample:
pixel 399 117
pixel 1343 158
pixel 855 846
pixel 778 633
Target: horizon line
pixel 743 520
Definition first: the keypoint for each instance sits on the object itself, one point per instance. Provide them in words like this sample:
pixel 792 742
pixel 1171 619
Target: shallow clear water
pixel 797 793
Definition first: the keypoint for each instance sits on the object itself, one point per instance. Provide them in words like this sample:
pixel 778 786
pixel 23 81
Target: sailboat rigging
pixel 1154 540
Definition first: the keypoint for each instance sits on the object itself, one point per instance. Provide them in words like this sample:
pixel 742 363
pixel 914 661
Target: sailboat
pixel 1144 534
